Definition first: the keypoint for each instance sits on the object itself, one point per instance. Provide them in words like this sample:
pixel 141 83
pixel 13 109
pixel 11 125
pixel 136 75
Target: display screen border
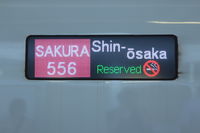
pixel 29 54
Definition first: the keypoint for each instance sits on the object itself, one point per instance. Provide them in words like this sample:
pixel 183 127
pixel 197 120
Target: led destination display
pixel 101 57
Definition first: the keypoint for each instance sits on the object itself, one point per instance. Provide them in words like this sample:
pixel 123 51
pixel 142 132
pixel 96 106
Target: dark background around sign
pixel 167 66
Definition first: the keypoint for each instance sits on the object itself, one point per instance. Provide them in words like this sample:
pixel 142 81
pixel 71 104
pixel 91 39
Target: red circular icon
pixel 151 68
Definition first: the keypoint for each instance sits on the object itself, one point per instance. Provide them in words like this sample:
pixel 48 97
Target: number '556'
pixel 61 68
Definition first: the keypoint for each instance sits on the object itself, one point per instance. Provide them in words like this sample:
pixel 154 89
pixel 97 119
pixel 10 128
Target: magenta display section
pixel 62 58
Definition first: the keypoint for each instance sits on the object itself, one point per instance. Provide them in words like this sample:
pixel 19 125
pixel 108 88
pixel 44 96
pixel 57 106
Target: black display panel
pixel 102 57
